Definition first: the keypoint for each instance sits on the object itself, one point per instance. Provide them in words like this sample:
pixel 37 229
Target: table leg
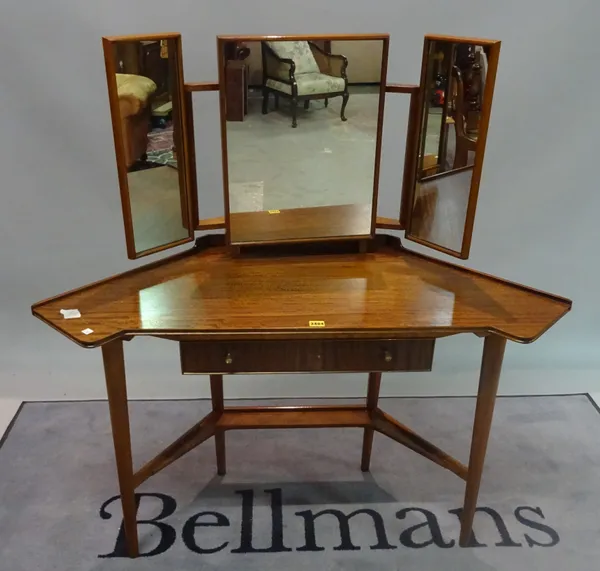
pixel 114 370
pixel 372 399
pixel 216 393
pixel 491 365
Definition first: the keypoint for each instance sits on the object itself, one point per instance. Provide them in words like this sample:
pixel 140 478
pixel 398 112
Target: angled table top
pixel 208 292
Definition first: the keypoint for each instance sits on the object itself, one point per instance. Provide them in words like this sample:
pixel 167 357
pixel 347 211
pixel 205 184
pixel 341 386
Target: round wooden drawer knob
pixel 388 357
pixel 228 359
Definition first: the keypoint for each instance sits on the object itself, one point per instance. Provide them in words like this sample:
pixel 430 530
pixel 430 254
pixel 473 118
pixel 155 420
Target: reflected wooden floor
pixel 441 209
pixel 301 223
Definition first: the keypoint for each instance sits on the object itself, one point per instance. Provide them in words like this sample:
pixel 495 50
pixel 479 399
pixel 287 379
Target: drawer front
pixel 378 355
pixel 276 356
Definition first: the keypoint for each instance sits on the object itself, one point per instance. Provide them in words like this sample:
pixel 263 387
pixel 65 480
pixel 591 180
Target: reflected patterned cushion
pixel 135 85
pixel 133 92
pixel 300 52
pixel 311 84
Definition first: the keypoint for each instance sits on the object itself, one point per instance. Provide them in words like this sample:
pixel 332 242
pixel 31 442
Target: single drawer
pixel 345 355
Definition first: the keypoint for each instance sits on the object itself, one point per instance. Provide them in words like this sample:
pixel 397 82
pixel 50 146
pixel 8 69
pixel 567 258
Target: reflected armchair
pixel 301 71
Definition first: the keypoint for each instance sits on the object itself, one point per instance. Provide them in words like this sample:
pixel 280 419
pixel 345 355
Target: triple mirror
pixel 301 130
pixel 145 87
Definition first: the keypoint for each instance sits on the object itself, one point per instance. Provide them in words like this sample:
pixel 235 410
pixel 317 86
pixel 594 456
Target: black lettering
pixel 344 523
pixel 554 538
pixel 277 545
pixel 167 533
pixel 505 538
pixel 406 537
pixel 189 526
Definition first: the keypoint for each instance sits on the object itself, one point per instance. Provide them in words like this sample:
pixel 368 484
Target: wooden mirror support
pixel 199 224
pixel 412 142
pixel 313 307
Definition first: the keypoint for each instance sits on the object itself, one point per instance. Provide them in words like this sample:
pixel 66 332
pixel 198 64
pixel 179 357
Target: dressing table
pixel 299 275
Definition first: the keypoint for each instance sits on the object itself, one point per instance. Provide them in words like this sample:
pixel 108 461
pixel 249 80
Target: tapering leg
pixel 491 365
pixel 306 103
pixel 326 101
pixel 216 392
pixel 265 101
pixel 344 103
pixel 114 370
pixel 294 112
pixel 372 399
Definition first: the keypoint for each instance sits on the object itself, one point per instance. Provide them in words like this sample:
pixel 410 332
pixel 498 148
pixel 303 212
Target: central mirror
pixel 301 126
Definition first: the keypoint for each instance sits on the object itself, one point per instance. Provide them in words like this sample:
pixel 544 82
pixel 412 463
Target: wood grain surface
pixel 300 417
pixel 390 292
pixel 293 224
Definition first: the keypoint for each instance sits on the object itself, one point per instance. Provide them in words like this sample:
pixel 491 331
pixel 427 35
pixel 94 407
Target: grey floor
pixel 59 511
pixel 432 137
pixel 322 162
pixel 155 207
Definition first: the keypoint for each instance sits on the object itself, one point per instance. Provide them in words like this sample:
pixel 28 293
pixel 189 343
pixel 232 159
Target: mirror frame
pixel 492 67
pixel 186 199
pixel 222 40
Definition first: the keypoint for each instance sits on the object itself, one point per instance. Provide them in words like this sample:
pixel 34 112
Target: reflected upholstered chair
pixel 301 71
pixel 135 98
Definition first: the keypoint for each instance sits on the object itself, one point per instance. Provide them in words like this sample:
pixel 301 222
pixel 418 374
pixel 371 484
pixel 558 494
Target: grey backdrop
pixel 61 223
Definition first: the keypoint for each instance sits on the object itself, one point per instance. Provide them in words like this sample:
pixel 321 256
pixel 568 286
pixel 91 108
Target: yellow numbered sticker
pixel 273 211
pixel 316 324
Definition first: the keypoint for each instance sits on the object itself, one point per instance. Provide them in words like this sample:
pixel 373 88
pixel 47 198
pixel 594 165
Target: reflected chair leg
pixel 344 103
pixel 265 101
pixel 294 112
pixel 491 365
pixel 461 154
pixel 216 393
pixel 276 101
pixel 114 371
pixel 372 399
pixel 306 103
pixel 326 101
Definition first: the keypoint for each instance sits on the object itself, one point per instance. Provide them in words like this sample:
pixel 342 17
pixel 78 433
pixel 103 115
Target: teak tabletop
pixel 210 292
